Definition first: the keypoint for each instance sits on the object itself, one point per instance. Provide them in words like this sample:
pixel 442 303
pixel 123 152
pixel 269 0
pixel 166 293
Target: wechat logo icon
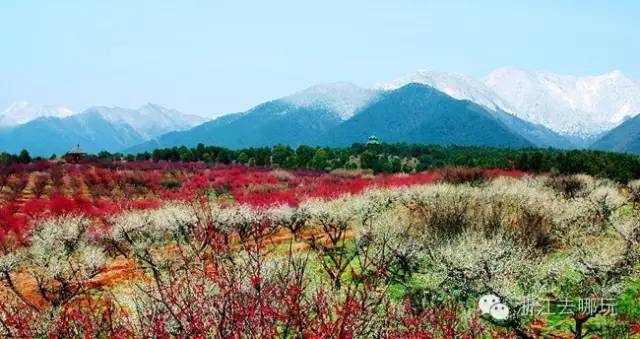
pixel 490 304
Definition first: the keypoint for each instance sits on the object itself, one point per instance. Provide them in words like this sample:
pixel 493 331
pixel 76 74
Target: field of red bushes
pixel 44 189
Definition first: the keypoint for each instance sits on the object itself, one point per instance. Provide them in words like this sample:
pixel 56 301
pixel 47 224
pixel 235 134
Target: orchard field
pixel 159 249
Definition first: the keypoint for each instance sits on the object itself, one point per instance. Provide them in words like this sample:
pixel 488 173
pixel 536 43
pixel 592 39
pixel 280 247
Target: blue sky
pixel 213 57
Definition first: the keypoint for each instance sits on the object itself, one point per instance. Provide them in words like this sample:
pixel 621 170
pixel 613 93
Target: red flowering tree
pixel 40 182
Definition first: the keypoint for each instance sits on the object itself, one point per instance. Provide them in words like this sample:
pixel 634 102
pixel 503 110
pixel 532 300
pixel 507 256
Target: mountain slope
pixel 21 112
pixel 343 98
pixel 413 113
pixel 271 123
pixel 581 107
pixel 417 113
pixel 623 138
pixel 462 87
pixel 95 129
pixel 47 135
pixel 537 134
pixel 455 85
pixel 293 120
pixel 149 120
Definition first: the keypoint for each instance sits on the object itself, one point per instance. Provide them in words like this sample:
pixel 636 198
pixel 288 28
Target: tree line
pixel 389 158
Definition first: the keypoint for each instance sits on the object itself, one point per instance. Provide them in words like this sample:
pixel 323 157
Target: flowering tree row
pixel 39 190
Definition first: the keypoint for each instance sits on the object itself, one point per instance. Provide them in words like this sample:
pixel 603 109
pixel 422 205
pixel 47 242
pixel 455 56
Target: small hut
pixel 76 153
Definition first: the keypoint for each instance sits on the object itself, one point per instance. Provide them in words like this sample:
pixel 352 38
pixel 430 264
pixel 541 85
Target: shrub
pixel 443 208
pixel 5 172
pixel 521 208
pixel 57 177
pixel 40 182
pixel 13 226
pixel 568 185
pixel 334 218
pixel 474 264
pixel 170 184
pixel 606 200
pixel 634 191
pixel 17 183
pixel 460 175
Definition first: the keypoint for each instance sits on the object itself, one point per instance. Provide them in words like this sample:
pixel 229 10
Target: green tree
pixel 319 160
pixel 368 159
pixel 143 156
pixel 396 165
pixel 535 161
pixel 304 154
pixel 224 156
pixel 243 158
pixel 291 162
pixel 199 151
pixel 104 155
pixel 24 157
pixel 280 154
pixel 263 156
pixel 185 154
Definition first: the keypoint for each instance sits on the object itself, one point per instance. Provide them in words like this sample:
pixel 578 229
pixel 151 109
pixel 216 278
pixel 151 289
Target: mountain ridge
pixel 429 117
pixel 97 128
pixel 276 121
pixel 20 112
pixel 52 135
pixel 578 106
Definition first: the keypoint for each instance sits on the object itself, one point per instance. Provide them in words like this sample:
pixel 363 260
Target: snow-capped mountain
pixel 149 120
pixel 343 98
pixel 575 106
pixel 456 85
pixel 95 129
pixel 48 135
pixel 21 112
pixel 462 87
pixel 578 107
pixel 342 114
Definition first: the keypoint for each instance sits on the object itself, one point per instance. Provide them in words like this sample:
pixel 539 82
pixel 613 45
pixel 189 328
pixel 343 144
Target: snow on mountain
pixel 21 112
pixel 455 85
pixel 149 120
pixel 344 98
pixel 575 106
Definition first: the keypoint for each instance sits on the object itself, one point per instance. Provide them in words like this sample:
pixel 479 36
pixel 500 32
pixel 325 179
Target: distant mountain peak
pixel 150 120
pixel 343 98
pixel 455 85
pixel 20 112
pixel 615 74
pixel 582 106
pixel 153 106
